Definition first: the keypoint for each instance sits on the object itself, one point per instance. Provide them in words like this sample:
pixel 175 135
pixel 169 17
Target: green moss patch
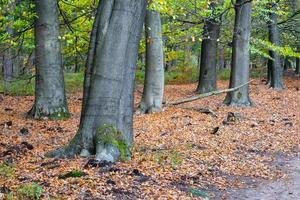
pixel 108 134
pixel 72 174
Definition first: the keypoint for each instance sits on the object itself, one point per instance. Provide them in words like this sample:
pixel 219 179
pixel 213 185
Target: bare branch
pixel 201 96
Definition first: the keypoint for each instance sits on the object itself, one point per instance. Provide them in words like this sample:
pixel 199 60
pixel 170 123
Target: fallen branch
pixel 201 96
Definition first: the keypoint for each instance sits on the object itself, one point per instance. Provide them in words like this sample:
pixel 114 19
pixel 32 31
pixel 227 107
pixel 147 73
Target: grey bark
pixel 208 65
pixel 221 60
pixel 8 60
pixel 297 71
pixel 240 55
pixel 287 64
pixel 105 15
pixel 50 100
pixel 275 64
pixel 110 96
pixel 152 97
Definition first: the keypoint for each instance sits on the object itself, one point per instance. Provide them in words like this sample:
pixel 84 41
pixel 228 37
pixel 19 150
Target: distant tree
pixel 50 100
pixel 275 68
pixel 240 55
pixel 106 121
pixel 297 70
pixel 154 77
pixel 209 48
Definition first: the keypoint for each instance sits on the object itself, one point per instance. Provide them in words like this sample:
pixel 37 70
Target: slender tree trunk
pixel 297 70
pixel 110 98
pixel 222 61
pixel 50 100
pixel 297 66
pixel 208 65
pixel 269 72
pixel 154 78
pixel 276 75
pixel 287 64
pixel 8 60
pixel 77 66
pixel 240 55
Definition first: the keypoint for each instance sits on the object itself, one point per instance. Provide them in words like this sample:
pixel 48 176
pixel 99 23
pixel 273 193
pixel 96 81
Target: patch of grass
pixel 30 191
pixel 22 86
pixel 171 157
pixel 72 174
pixel 74 81
pixel 6 170
pixel 199 193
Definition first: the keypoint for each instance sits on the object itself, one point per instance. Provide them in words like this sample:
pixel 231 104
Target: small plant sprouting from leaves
pixel 172 157
pixel 30 191
pixel 74 174
pixel 6 170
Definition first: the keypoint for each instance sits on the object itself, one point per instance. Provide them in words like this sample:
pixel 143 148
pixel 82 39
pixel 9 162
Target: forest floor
pixel 180 153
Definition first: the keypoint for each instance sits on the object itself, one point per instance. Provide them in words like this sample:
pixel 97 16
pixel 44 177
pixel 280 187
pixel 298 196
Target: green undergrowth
pixel 30 191
pixel 225 74
pixel 7 170
pixel 24 86
pixel 178 75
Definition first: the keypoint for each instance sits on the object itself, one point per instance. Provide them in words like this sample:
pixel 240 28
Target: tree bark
pixel 240 55
pixel 8 59
pixel 152 97
pixel 208 65
pixel 50 100
pixel 110 96
pixel 297 70
pixel 287 64
pixel 297 66
pixel 276 70
pixel 222 61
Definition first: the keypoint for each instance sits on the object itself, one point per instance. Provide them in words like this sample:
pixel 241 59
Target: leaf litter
pixel 180 153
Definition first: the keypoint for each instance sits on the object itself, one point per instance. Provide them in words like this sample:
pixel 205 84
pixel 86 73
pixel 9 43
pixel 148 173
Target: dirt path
pixel 287 188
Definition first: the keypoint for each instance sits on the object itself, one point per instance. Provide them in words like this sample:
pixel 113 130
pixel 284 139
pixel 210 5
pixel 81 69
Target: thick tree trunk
pixel 110 98
pixel 276 70
pixel 50 100
pixel 154 78
pixel 240 55
pixel 208 65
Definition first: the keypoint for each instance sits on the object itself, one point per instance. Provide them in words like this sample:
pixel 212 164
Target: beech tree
pixel 274 67
pixel 106 122
pixel 208 65
pixel 209 49
pixel 297 66
pixel 154 77
pixel 240 55
pixel 50 100
pixel 297 70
